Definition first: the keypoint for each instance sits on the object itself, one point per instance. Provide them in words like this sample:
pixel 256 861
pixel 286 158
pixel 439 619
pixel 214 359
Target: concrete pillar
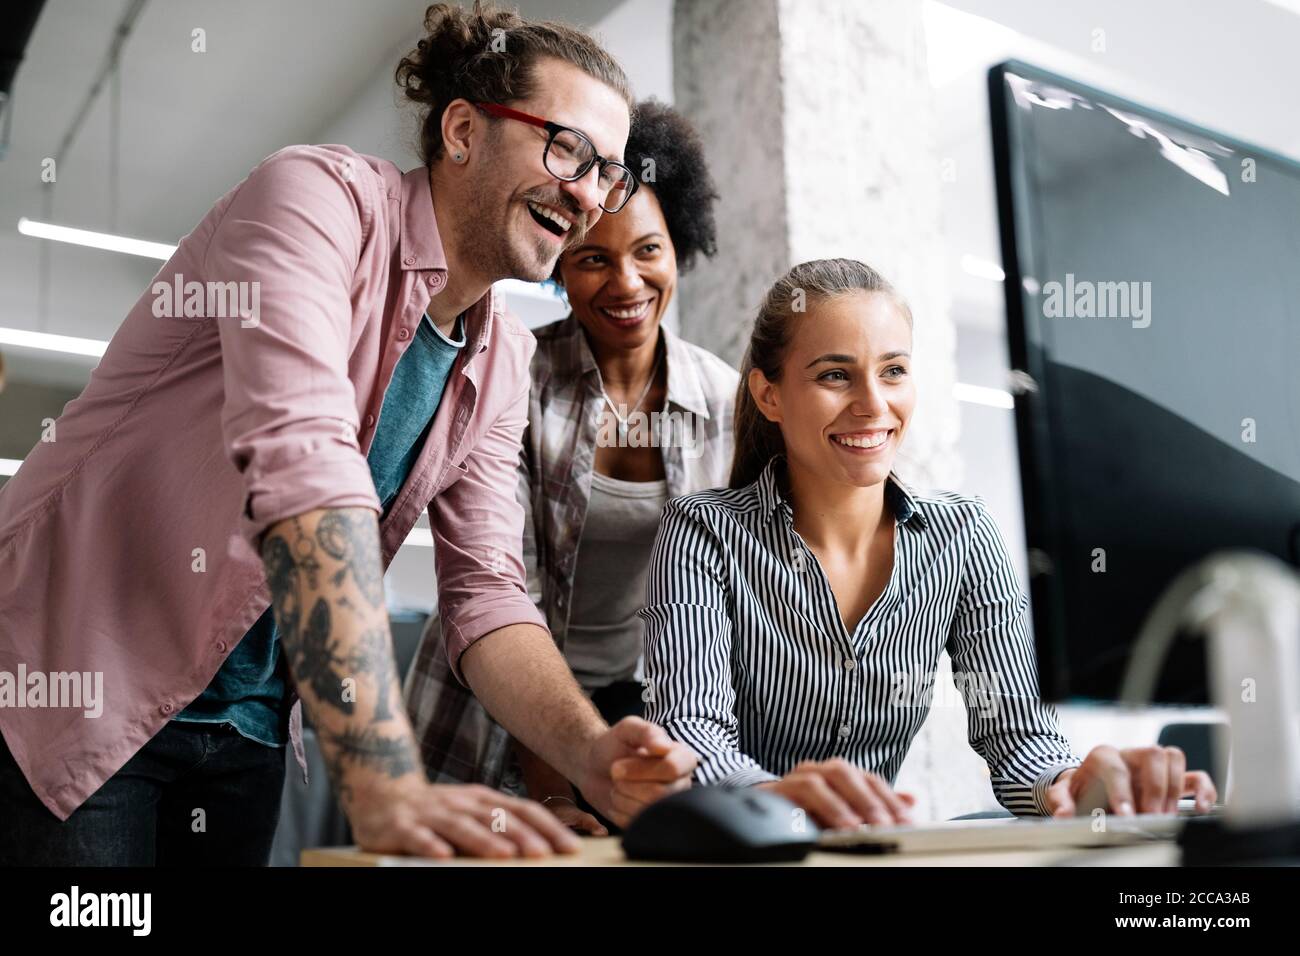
pixel 816 117
pixel 727 79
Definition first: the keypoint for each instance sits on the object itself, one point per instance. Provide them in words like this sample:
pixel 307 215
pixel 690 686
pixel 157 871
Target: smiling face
pixel 622 276
pixel 845 393
pixel 523 217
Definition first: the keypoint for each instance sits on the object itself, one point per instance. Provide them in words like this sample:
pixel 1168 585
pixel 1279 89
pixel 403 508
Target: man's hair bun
pixel 489 54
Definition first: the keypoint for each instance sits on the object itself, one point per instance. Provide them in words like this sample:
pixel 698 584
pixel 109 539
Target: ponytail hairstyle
pixel 490 55
pixel 758 440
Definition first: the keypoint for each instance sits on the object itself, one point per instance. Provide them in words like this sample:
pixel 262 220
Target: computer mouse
pixel 713 825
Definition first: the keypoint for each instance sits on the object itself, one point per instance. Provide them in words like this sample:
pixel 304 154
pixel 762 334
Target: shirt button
pixel 435 282
pixel 166 708
pixel 844 730
pixel 849 664
pixel 221 646
pixel 409 260
pixel 403 334
pixel 370 420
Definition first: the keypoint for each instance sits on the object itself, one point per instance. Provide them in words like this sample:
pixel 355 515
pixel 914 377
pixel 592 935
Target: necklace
pixel 622 421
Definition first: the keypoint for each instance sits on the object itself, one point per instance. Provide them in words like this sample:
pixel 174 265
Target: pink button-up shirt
pixel 128 545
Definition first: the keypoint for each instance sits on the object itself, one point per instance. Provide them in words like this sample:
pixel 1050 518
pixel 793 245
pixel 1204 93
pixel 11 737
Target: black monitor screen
pixel 1153 294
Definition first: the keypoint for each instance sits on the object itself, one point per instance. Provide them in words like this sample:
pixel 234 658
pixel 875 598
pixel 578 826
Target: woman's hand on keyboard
pixel 1137 779
pixel 838 794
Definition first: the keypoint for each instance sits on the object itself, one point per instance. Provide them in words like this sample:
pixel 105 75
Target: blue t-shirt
pixel 248 692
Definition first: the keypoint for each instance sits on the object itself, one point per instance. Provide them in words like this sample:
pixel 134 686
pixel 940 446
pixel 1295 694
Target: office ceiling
pixel 192 124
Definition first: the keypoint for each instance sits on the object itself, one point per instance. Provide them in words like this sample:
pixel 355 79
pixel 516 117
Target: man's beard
pixel 495 242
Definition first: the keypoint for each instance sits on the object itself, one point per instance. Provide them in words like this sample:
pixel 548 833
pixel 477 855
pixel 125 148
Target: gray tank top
pixel 604 639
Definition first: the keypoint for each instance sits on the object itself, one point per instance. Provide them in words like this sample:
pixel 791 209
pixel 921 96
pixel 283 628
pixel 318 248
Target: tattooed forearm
pixel 282 577
pixel 325 575
pixel 313 658
pixel 354 540
pixel 304 554
pixel 374 655
pixel 390 755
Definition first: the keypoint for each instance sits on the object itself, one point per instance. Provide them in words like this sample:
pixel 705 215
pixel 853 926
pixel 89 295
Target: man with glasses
pixel 211 528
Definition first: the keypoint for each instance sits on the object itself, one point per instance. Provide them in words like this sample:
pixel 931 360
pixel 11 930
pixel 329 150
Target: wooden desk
pixel 607 851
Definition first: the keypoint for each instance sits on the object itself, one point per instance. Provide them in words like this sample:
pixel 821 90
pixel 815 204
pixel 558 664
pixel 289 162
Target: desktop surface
pixel 608 851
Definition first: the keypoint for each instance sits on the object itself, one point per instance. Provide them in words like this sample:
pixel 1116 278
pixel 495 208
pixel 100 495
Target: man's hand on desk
pixel 633 764
pixel 1135 780
pixel 838 794
pixel 409 815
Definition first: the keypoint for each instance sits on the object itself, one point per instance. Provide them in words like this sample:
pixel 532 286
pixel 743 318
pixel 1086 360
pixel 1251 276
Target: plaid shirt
pixel 460 743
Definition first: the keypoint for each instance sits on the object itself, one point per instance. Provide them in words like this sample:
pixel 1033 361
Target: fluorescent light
pixel 982 268
pixel 9 466
pixel 980 395
pixel 70 344
pixel 96 240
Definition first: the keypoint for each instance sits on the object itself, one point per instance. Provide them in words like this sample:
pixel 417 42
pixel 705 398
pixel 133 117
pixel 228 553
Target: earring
pixel 458 156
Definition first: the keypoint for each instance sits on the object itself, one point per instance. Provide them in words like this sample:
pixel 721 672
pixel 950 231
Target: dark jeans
pixel 614 702
pixel 146 814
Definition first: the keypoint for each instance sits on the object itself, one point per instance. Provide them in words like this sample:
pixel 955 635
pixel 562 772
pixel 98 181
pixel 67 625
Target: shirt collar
pixel 420 243
pixel 903 500
pixel 420 249
pixel 898 496
pixel 684 387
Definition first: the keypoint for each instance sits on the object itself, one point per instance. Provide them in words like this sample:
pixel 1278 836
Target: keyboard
pixel 1019 833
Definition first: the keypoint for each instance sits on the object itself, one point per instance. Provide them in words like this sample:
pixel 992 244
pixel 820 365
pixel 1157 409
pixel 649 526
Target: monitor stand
pixel 1251 611
pixel 1248 606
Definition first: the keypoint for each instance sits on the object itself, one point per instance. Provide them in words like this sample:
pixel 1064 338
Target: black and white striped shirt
pixel 749 663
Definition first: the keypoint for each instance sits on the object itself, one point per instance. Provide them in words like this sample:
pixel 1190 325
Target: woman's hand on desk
pixel 568 812
pixel 838 794
pixel 1138 779
pixel 549 787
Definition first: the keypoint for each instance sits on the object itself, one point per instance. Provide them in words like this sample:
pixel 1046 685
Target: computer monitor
pixel 1153 309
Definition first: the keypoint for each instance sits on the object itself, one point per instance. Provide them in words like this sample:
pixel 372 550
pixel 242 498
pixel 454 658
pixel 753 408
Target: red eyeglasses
pixel 569 155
